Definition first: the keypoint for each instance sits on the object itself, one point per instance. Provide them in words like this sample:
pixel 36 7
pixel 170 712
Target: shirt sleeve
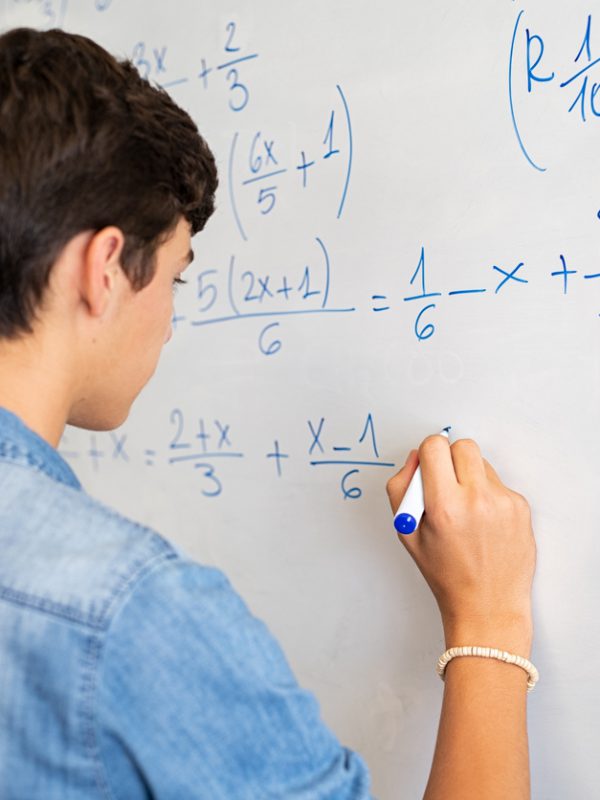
pixel 196 700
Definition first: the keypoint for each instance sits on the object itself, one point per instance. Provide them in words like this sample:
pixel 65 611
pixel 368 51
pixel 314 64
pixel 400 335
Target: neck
pixel 34 387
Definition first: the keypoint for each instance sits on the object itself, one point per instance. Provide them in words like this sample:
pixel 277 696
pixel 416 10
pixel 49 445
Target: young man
pixel 128 670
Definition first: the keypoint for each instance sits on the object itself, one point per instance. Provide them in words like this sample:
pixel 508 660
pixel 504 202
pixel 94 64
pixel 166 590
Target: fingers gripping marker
pixel 408 516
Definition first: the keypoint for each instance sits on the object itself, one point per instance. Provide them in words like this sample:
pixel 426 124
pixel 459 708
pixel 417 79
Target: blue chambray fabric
pixel 129 671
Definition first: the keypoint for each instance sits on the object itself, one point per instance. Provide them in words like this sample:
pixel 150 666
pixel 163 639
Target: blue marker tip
pixel 405 523
pixel 447 429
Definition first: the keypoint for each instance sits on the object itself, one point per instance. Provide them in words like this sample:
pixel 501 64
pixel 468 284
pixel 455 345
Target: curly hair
pixel 86 142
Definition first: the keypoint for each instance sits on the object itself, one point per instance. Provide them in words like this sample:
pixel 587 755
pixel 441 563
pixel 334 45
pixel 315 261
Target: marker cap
pixel 405 523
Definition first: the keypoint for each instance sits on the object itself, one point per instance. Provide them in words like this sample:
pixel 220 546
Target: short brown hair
pixel 86 142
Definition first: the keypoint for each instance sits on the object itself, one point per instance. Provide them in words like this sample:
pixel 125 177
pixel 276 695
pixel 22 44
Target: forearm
pixel 476 550
pixel 481 750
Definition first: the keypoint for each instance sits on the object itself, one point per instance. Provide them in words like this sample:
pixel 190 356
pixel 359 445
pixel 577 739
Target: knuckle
pixel 505 506
pixel 464 445
pixel 432 444
pixel 479 507
pixel 482 505
pixel 511 504
pixel 394 484
pixel 520 502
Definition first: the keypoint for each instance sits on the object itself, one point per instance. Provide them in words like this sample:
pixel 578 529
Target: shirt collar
pixel 20 444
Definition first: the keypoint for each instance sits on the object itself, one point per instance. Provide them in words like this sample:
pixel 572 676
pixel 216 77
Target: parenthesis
pixel 350 149
pixel 238 221
pixel 230 285
pixel 327 271
pixel 510 96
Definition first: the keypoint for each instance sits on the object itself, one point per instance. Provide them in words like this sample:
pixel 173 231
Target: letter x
pixel 316 434
pixel 224 434
pixel 509 276
pixel 119 443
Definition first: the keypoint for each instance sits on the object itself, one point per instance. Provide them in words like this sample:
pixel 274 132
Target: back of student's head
pixel 85 142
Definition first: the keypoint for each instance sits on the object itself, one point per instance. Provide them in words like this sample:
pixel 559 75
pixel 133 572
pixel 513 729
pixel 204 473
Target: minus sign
pixel 173 83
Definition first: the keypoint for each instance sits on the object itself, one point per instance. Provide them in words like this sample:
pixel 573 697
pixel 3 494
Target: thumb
pixel 398 484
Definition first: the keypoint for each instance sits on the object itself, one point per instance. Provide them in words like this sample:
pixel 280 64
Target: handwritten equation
pixel 256 169
pixel 532 71
pixel 241 293
pixel 206 445
pixel 507 277
pixel 228 72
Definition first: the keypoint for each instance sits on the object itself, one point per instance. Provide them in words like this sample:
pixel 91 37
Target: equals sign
pixel 380 297
pixel 150 455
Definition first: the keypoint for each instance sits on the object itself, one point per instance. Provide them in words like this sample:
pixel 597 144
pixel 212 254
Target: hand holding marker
pixel 408 516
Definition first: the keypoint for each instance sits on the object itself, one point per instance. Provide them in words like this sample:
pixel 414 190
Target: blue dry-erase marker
pixel 408 516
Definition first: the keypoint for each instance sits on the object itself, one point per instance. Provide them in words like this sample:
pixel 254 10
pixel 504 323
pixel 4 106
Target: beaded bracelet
pixel 489 652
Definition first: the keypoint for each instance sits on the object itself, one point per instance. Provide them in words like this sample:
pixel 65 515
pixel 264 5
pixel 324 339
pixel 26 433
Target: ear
pixel 101 269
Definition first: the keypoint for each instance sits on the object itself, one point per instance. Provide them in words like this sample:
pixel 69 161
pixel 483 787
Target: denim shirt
pixel 127 670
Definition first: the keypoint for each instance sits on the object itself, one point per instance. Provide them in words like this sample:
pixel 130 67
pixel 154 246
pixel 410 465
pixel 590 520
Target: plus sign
pixel 303 167
pixel 564 272
pixel 277 455
pixel 94 453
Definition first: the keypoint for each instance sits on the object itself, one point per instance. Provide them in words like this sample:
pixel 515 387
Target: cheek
pixel 168 316
pixel 159 314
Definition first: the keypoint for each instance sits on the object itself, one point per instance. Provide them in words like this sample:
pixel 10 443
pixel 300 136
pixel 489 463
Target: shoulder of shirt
pixel 69 555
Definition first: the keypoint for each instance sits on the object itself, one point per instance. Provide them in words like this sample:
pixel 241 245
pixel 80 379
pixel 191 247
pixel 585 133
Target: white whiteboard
pixel 362 144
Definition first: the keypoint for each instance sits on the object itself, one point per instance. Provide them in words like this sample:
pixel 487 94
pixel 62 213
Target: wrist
pixel 512 633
